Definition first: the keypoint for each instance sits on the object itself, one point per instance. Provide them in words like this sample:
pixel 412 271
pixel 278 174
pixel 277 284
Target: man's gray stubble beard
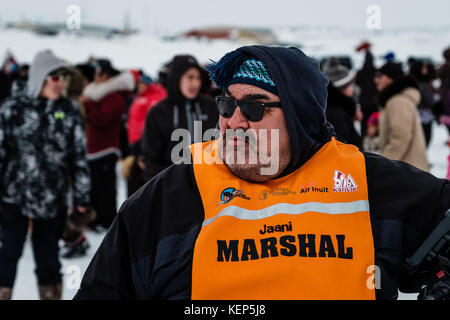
pixel 260 162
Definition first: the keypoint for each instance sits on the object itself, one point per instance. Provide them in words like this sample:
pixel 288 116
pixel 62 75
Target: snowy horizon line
pixel 289 26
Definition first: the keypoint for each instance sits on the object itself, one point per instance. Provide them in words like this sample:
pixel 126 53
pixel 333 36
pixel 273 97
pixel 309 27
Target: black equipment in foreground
pixel 430 264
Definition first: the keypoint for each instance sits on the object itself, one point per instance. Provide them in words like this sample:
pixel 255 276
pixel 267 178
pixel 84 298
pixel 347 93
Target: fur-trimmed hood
pixel 122 82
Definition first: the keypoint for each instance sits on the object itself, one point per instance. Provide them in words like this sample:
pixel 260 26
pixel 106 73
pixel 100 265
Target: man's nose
pixel 238 120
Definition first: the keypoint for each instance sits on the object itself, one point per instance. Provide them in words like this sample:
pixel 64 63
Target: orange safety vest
pixel 306 235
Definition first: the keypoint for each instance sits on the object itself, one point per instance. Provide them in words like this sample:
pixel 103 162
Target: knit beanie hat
pixel 393 70
pixel 146 79
pixel 339 75
pixel 237 67
pixel 373 119
pixel 389 57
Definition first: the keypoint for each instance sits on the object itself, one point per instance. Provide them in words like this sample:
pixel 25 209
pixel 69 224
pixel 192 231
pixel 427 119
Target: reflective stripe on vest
pixel 288 208
pixel 303 236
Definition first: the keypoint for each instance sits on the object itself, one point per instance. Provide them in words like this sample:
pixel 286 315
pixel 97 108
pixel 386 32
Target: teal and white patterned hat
pixel 236 67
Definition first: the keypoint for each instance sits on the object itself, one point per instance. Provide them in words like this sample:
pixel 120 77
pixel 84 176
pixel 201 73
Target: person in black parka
pixel 341 107
pixel 184 105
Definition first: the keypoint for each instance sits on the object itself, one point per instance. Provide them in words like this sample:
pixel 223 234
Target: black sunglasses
pixel 251 110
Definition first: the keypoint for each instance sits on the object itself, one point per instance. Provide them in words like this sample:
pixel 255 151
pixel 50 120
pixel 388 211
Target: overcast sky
pixel 177 15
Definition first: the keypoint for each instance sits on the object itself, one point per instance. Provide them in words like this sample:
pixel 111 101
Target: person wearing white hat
pixel 342 109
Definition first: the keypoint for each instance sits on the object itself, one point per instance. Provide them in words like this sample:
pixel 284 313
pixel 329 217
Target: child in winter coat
pixel 371 141
pixel 149 94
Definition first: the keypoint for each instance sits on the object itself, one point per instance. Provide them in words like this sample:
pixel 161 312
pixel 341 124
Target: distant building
pixel 250 35
pixel 52 29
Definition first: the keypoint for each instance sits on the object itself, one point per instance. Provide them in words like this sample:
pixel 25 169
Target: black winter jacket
pixel 175 112
pixel 148 252
pixel 365 80
pixel 162 120
pixel 340 113
pixel 42 154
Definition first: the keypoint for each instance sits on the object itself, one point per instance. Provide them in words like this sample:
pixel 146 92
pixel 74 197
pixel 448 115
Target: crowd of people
pixel 395 105
pixel 64 127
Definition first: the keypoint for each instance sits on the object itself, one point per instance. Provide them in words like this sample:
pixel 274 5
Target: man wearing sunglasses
pixel 325 223
pixel 42 155
pixel 240 122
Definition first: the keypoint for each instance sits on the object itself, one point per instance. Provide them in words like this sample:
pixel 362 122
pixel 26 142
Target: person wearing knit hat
pixel 253 71
pixel 385 76
pixel 339 75
pixel 371 141
pixel 210 228
pixel 342 110
pixel 145 79
pixel 148 94
pixel 393 70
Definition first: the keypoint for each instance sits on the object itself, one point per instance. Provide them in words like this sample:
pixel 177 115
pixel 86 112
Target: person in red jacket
pixel 149 93
pixel 104 106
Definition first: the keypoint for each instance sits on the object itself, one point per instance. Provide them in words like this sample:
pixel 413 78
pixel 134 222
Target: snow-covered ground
pixel 149 53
